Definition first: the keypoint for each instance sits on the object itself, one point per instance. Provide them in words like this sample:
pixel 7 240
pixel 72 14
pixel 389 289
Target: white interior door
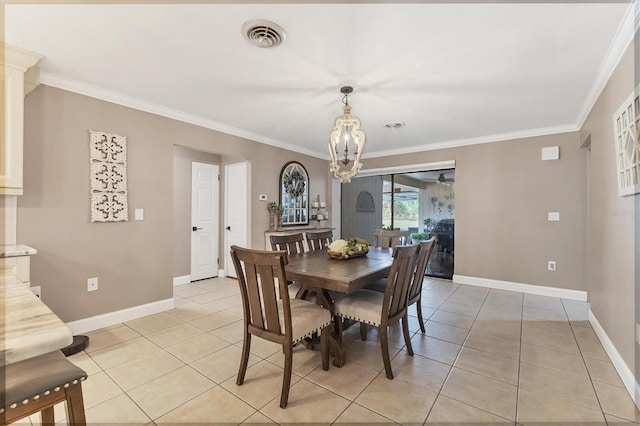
pixel 236 211
pixel 205 225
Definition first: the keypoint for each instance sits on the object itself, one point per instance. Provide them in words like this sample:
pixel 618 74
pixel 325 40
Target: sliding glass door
pixel 422 203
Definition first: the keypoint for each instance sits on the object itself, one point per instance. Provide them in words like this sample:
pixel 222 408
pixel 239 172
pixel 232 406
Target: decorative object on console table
pixel 275 215
pixel 319 211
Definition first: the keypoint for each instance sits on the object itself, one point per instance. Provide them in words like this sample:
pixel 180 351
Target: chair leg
pixel 324 347
pixel 363 332
pixel 420 319
pixel 244 361
pixel 75 405
pixel 48 417
pixel 286 380
pixel 384 346
pixel 405 332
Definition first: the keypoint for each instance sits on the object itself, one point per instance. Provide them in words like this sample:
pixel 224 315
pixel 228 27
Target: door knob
pixel 195 228
pixel 228 228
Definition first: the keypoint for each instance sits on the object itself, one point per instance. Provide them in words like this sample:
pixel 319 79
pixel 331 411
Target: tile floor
pixel 488 356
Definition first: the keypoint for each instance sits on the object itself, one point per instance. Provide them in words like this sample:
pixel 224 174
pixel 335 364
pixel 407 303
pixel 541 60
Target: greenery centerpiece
pixel 419 236
pixel 348 248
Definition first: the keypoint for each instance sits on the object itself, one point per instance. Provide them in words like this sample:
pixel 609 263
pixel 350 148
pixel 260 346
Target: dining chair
pixel 319 240
pixel 292 244
pixel 271 315
pixel 415 291
pixel 383 309
pixel 389 238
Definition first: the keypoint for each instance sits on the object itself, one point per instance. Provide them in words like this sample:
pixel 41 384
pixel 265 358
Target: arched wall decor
pixel 294 194
pixel 365 202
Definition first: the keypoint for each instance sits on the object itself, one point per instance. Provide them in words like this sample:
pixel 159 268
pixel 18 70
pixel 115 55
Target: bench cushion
pixel 28 380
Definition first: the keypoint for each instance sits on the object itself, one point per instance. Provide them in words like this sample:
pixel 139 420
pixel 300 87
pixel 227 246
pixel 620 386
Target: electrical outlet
pixel 37 291
pixel 92 284
pixel 551 265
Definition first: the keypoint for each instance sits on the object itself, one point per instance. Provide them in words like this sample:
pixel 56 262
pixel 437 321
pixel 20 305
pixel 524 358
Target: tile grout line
pixel 585 366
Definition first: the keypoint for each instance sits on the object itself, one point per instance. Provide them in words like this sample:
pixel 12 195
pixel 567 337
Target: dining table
pixel 317 271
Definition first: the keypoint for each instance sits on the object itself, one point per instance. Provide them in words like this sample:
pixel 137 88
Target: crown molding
pixel 544 131
pixel 85 89
pixel 625 34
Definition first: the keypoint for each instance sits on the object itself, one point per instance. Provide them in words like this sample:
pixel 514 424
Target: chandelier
pixel 346 142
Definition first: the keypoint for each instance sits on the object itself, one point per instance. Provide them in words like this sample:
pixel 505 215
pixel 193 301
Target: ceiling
pixel 456 73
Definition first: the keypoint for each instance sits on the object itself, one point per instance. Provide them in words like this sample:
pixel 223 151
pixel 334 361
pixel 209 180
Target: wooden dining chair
pixel 415 291
pixel 389 238
pixel 319 240
pixel 383 309
pixel 292 244
pixel 273 317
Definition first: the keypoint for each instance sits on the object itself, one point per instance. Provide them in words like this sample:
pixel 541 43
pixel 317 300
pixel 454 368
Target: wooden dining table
pixel 316 270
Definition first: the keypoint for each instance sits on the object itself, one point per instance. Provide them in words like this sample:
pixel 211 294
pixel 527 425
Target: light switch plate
pixel 139 214
pixel 551 265
pixel 553 216
pixel 262 197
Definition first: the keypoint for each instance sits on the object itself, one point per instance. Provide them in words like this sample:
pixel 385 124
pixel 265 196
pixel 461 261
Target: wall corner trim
pixel 540 290
pixel 625 373
pixel 184 279
pixel 111 318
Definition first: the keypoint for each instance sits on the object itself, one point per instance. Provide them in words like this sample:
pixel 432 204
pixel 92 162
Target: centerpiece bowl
pixel 348 248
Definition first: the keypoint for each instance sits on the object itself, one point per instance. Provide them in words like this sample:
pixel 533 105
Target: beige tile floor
pixel 488 356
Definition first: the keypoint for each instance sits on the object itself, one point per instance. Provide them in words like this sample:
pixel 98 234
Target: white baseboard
pixel 221 273
pixel 185 279
pixel 111 318
pixel 625 373
pixel 540 290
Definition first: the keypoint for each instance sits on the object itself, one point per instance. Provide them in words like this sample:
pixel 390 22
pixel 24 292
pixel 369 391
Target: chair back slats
pixel 262 282
pixel 319 240
pixel 389 238
pixel 399 281
pixel 269 299
pixel 292 243
pixel 426 248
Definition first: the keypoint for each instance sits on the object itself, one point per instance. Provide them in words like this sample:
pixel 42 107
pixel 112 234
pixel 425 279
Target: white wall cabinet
pixel 14 63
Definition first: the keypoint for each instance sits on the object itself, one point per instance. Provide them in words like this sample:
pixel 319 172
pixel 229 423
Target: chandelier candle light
pixel 346 141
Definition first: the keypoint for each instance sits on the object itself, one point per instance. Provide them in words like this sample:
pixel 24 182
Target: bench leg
pixel 75 405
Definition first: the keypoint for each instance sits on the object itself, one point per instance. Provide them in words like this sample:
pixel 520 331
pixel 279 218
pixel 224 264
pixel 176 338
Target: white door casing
pixel 205 200
pixel 236 211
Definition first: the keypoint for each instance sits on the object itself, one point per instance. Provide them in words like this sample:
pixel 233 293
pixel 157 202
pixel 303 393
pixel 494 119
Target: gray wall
pixel 613 219
pixel 361 224
pixel 503 193
pixel 133 260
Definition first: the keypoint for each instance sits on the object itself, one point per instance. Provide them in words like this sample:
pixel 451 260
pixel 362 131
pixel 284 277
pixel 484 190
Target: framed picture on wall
pixel 294 194
pixel 626 128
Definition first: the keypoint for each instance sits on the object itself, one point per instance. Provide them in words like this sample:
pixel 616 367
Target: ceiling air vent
pixel 263 33
pixel 395 125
